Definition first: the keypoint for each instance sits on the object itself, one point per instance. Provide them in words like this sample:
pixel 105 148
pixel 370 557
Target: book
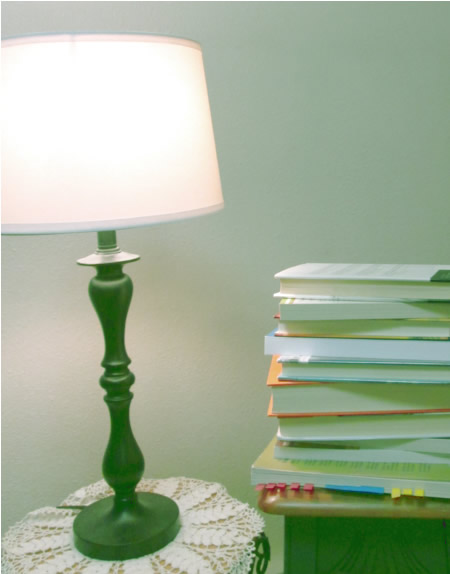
pixel 314 398
pixel 320 399
pixel 358 348
pixel 360 379
pixel 310 368
pixel 438 452
pixel 292 309
pixel 350 281
pixel 404 426
pixel 433 479
pixel 367 329
pixel 351 398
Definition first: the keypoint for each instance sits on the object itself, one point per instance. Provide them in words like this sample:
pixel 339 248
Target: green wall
pixel 332 123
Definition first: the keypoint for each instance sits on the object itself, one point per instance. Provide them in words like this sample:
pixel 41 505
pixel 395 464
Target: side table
pixel 351 533
pixel 216 536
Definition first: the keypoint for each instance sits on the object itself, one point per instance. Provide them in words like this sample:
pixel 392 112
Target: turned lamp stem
pixel 129 524
pixel 110 292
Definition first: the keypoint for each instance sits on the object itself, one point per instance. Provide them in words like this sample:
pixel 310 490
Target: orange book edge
pixel 274 380
pixel 271 413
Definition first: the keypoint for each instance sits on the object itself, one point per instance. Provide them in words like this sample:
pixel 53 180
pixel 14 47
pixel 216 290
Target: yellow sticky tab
pixel 395 493
pixel 407 491
pixel 419 492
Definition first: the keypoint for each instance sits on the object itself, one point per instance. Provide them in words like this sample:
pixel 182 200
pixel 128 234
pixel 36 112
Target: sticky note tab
pixel 419 492
pixel 407 491
pixel 443 275
pixel 281 486
pixel 260 487
pixel 395 493
pixel 295 486
pixel 308 487
pixel 271 486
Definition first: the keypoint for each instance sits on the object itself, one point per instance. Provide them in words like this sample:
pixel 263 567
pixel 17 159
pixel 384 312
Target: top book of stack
pixel 342 281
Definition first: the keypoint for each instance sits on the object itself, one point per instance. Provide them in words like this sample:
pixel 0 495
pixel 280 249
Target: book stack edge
pixel 360 380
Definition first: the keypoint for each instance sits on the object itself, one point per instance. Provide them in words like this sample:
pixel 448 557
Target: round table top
pixel 216 534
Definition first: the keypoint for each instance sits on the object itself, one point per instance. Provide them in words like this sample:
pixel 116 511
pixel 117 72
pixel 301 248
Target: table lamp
pixel 103 132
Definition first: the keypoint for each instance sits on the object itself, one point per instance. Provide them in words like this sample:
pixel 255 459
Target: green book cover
pixel 359 469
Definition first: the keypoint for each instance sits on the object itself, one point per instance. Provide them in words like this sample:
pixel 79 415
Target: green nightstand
pixel 348 533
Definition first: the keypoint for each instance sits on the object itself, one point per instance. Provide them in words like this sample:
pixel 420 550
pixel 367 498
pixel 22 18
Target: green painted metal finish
pixel 127 525
pixel 106 530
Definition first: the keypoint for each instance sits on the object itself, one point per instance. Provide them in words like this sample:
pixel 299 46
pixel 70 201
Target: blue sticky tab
pixel 364 489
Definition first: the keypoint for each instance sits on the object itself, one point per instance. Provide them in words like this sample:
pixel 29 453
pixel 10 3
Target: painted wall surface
pixel 332 126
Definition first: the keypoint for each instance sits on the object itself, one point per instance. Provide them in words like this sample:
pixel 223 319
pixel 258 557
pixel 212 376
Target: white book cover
pixel 371 427
pixel 366 281
pixel 362 272
pixel 376 328
pixel 306 368
pixel 298 398
pixel 339 309
pixel 381 349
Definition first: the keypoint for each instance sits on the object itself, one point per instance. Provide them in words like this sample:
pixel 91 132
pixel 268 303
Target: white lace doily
pixel 216 535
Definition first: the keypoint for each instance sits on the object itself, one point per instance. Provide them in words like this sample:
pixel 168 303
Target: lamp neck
pixel 107 251
pixel 107 242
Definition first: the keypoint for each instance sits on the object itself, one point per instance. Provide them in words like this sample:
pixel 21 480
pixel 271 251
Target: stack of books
pixel 360 379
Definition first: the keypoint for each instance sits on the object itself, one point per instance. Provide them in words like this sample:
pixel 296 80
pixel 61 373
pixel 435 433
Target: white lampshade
pixel 104 132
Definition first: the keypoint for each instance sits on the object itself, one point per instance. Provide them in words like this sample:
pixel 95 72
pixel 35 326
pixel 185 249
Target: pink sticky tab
pixel 271 486
pixel 281 486
pixel 309 487
pixel 295 486
pixel 259 487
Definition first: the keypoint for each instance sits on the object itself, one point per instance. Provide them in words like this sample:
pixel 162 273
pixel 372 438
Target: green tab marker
pixel 441 276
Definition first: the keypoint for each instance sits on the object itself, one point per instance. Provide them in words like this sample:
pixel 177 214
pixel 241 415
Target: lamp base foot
pixel 143 526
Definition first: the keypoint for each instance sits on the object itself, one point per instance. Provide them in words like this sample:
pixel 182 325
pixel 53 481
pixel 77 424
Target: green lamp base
pixel 108 531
